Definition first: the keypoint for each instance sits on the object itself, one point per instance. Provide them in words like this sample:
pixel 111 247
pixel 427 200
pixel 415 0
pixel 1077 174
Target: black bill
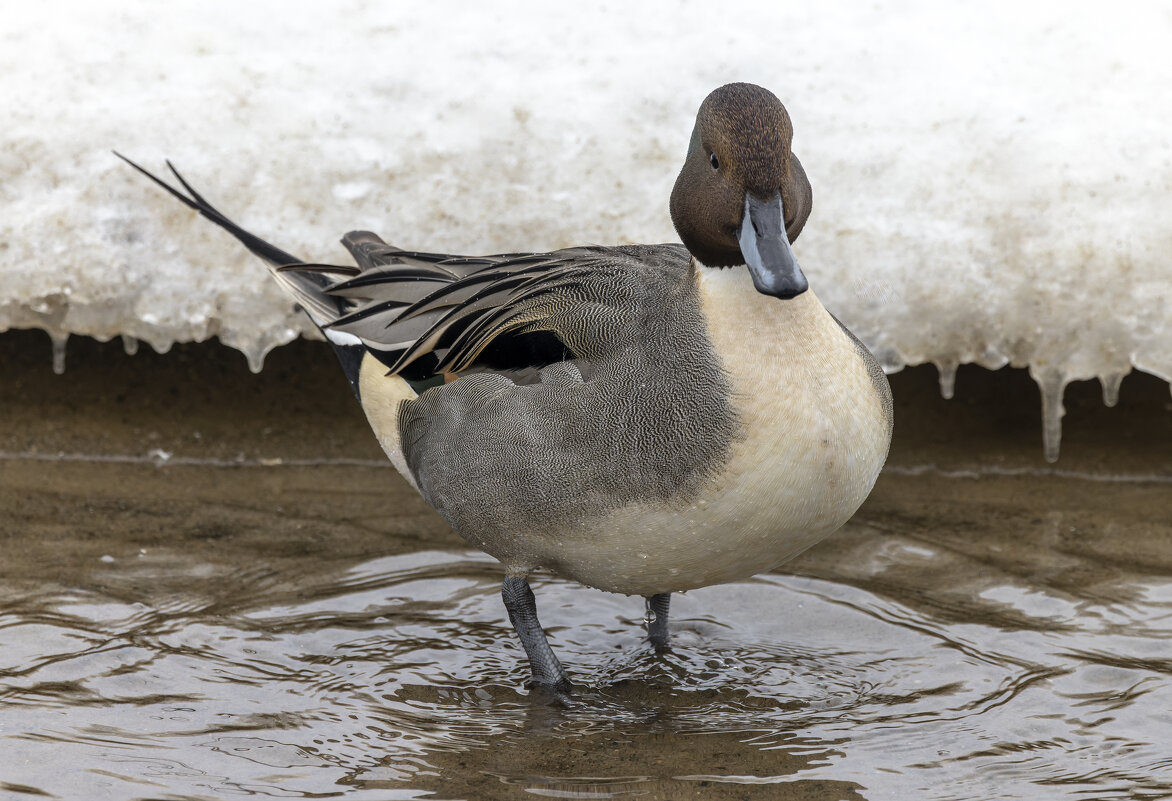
pixel 766 249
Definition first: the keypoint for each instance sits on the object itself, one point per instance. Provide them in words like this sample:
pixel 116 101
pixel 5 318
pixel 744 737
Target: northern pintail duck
pixel 640 418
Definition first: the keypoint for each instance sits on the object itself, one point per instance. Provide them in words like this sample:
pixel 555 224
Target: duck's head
pixel 742 196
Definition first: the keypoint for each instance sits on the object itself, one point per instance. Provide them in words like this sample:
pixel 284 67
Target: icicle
pixel 255 354
pixel 1052 384
pixel 947 371
pixel 59 342
pixel 1111 383
pixel 129 344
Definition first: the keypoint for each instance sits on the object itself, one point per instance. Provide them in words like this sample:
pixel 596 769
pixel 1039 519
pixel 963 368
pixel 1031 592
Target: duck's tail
pixel 305 282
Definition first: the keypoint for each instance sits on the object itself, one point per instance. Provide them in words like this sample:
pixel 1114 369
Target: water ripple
pixel 392 677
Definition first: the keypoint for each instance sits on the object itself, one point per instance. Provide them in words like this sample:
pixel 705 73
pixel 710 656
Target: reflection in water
pixel 892 668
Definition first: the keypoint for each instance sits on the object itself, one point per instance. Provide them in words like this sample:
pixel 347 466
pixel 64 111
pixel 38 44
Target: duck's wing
pixel 427 314
pixel 640 411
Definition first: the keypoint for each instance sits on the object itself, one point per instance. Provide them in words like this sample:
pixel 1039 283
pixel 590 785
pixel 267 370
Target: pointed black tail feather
pixel 307 282
pixel 307 286
pixel 270 253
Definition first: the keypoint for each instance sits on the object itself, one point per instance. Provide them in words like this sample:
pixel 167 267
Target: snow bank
pixel 992 182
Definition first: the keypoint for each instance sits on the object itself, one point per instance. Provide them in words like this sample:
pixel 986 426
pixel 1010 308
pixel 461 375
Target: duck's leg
pixel 657 606
pixel 522 606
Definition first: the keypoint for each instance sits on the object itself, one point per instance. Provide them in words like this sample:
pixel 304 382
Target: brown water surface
pixel 212 586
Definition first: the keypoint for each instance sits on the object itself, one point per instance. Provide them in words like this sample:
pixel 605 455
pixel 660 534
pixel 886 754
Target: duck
pixel 643 419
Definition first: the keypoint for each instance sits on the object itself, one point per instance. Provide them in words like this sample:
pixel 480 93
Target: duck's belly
pixel 779 495
pixel 814 435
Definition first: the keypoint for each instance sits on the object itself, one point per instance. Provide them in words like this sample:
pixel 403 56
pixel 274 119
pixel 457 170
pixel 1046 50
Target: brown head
pixel 742 195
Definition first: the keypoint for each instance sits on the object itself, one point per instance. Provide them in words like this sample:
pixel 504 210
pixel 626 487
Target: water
pixel 912 656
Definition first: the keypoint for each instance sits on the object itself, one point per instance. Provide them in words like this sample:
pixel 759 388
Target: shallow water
pixel 898 664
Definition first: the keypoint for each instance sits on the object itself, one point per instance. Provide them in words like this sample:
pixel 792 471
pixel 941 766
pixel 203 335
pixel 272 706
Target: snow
pixel 992 181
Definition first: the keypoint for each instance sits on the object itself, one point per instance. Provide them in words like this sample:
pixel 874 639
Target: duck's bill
pixel 766 249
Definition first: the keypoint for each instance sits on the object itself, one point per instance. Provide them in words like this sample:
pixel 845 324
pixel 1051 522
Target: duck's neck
pixel 748 327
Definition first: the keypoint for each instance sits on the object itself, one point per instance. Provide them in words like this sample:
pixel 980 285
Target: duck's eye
pixel 714 161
